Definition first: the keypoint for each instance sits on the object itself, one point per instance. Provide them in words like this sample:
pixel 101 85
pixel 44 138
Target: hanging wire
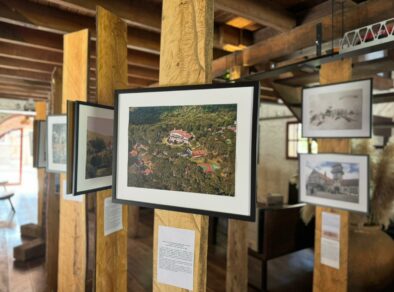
pixel 332 26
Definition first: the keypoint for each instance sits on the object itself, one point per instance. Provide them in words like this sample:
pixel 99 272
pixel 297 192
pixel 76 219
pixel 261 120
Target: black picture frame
pixel 39 144
pixel 254 115
pixel 76 186
pixel 51 167
pixel 324 203
pixel 369 124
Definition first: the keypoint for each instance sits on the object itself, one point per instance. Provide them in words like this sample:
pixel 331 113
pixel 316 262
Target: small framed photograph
pixel 342 110
pixel 335 180
pixel 57 143
pixel 188 148
pixel 39 144
pixel 92 153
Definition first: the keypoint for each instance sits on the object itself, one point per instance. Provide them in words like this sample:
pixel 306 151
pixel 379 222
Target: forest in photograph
pixel 183 148
pixel 59 143
pixel 99 147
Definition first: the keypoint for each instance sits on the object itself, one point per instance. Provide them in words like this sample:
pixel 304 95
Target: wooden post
pixel 134 218
pixel 237 245
pixel 185 58
pixel 72 229
pixel 326 278
pixel 111 250
pixel 41 114
pixel 52 206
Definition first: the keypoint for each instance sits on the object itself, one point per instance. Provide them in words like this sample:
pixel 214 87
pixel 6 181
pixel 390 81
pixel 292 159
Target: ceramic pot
pixel 371 259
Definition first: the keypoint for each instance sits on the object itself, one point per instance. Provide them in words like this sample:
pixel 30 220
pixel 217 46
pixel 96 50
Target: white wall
pixel 274 170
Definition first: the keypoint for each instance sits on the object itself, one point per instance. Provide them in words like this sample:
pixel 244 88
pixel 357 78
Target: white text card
pixel 112 217
pixel 175 262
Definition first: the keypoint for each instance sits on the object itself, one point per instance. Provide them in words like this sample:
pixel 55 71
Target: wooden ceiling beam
pixel 26 65
pixel 29 83
pixel 21 96
pixel 305 35
pixel 24 88
pixel 23 92
pixel 262 12
pixel 135 13
pixel 25 75
pixel 30 54
pixel 41 17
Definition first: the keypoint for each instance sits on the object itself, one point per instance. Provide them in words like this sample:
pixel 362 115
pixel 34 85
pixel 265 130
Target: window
pixel 296 144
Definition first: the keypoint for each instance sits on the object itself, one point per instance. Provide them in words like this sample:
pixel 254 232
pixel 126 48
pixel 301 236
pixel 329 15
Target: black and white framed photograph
pixel 92 153
pixel 188 148
pixel 335 180
pixel 39 144
pixel 57 143
pixel 338 110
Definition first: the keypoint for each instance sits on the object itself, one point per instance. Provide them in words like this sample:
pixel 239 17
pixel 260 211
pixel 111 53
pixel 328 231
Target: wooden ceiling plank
pixel 38 84
pixel 16 64
pixel 30 54
pixel 31 37
pixel 260 11
pixel 41 17
pixel 24 88
pixel 23 93
pixel 25 75
pixel 135 13
pixel 19 96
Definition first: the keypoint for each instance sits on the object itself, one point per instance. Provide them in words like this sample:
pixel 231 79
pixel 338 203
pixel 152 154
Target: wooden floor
pixel 288 273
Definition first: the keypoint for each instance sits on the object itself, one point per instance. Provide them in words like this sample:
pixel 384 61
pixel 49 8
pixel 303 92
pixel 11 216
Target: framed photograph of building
pixel 92 147
pixel 338 110
pixel 39 144
pixel 335 180
pixel 188 148
pixel 57 143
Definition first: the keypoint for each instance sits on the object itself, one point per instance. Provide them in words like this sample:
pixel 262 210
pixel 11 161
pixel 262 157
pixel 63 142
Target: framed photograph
pixel 39 144
pixel 335 180
pixel 92 155
pixel 57 143
pixel 338 110
pixel 188 148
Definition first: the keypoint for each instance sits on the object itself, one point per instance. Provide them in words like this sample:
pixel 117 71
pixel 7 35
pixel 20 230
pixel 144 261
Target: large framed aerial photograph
pixel 92 153
pixel 39 144
pixel 335 180
pixel 188 148
pixel 338 110
pixel 57 143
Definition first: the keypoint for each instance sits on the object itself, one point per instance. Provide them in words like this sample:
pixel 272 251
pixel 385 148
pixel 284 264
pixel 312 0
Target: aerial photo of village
pixel 183 148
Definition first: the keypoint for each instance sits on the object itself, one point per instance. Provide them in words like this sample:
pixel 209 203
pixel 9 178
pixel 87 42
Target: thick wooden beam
pixel 305 35
pixel 186 58
pixel 24 89
pixel 36 16
pixel 111 250
pixel 260 11
pixel 73 218
pixel 53 198
pixel 326 278
pixel 23 97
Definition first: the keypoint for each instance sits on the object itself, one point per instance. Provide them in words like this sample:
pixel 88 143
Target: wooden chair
pixel 280 232
pixel 6 195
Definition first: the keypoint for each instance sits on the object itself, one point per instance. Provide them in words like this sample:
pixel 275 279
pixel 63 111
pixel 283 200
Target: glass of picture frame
pixel 91 131
pixel 188 148
pixel 335 180
pixel 57 143
pixel 339 110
